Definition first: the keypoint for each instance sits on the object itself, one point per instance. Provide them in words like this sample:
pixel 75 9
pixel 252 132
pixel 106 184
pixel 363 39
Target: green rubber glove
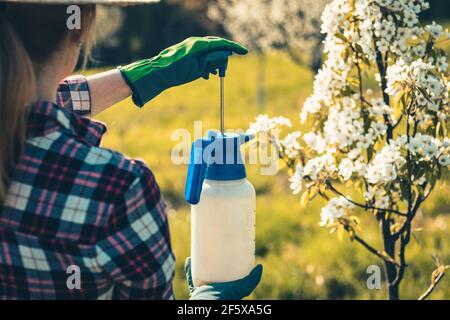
pixel 181 63
pixel 233 290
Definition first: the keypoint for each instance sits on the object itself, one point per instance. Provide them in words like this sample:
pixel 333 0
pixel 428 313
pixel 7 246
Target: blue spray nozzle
pixel 215 157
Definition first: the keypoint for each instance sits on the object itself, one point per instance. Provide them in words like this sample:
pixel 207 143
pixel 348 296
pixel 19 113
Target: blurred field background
pixel 301 260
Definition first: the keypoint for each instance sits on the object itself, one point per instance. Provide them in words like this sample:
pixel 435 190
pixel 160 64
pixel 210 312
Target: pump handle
pixel 196 170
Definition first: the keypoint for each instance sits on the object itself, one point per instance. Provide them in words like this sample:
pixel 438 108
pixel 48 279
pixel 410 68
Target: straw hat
pixel 114 2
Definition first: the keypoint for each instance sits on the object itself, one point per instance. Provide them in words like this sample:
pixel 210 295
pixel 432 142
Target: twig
pixel 438 274
pixel 364 206
pixel 360 84
pixel 412 214
pixel 382 255
pixel 363 99
pixel 382 71
pixel 398 122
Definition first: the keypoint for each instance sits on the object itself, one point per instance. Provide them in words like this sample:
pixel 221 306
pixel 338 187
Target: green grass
pixel 301 260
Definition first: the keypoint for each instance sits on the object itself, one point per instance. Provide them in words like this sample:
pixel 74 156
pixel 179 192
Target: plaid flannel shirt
pixel 76 209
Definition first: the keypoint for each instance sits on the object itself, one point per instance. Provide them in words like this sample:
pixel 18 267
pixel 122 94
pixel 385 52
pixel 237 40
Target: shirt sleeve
pixel 137 253
pixel 73 94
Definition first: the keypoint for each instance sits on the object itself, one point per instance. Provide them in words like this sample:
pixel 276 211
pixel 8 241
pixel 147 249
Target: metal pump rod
pixel 222 106
pixel 222 99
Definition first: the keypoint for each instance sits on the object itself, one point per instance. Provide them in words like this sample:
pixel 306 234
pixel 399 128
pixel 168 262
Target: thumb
pixel 187 269
pixel 244 287
pixel 250 282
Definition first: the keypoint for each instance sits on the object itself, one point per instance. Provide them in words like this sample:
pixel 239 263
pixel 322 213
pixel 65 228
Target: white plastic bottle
pixel 222 212
pixel 223 232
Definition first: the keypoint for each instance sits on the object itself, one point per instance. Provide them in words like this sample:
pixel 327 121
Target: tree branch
pixel 382 71
pixel 437 276
pixel 382 255
pixel 404 240
pixel 360 85
pixel 364 206
pixel 363 99
pixel 409 218
pixel 405 236
pixel 398 122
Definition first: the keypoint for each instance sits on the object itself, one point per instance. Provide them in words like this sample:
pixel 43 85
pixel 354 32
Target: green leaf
pixel 340 232
pixel 304 199
pixel 313 191
pixel 399 102
pixel 421 191
pixel 396 227
pixel 425 94
pixel 346 54
pixel 341 36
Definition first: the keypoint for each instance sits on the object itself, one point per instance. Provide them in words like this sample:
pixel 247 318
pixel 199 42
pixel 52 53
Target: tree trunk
pixel 389 248
pixel 316 57
pixel 260 90
pixel 393 292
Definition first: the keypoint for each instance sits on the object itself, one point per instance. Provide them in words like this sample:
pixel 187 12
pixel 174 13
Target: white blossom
pixel 291 144
pixel 385 165
pixel 296 179
pixel 355 134
pixel 435 30
pixel 334 210
pixel 315 141
pixel 354 153
pixel 382 202
pixel 263 123
pixel 403 75
pixel 444 160
pixel 311 105
pixel 346 168
pixel 425 146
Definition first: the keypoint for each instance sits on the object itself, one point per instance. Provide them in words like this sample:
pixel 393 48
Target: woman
pixel 65 202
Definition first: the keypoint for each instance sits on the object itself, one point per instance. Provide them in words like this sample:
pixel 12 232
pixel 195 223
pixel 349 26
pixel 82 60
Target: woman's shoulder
pixel 99 156
pixel 107 172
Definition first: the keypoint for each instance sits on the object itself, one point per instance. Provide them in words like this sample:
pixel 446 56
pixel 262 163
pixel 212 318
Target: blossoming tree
pixel 379 119
pixel 290 26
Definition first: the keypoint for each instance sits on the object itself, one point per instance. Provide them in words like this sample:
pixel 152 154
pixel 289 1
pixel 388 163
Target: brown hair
pixel 29 35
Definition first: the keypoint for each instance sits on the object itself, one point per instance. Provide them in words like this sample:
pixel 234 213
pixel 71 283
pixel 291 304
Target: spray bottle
pixel 223 207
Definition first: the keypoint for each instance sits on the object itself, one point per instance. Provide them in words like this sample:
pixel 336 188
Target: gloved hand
pixel 181 63
pixel 233 290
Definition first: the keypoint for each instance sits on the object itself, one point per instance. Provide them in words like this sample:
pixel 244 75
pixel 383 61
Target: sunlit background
pixel 301 260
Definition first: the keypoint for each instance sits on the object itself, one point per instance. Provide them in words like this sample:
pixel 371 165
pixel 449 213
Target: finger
pixel 250 282
pixel 213 61
pixel 221 44
pixel 238 289
pixel 235 47
pixel 187 269
pixel 207 75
